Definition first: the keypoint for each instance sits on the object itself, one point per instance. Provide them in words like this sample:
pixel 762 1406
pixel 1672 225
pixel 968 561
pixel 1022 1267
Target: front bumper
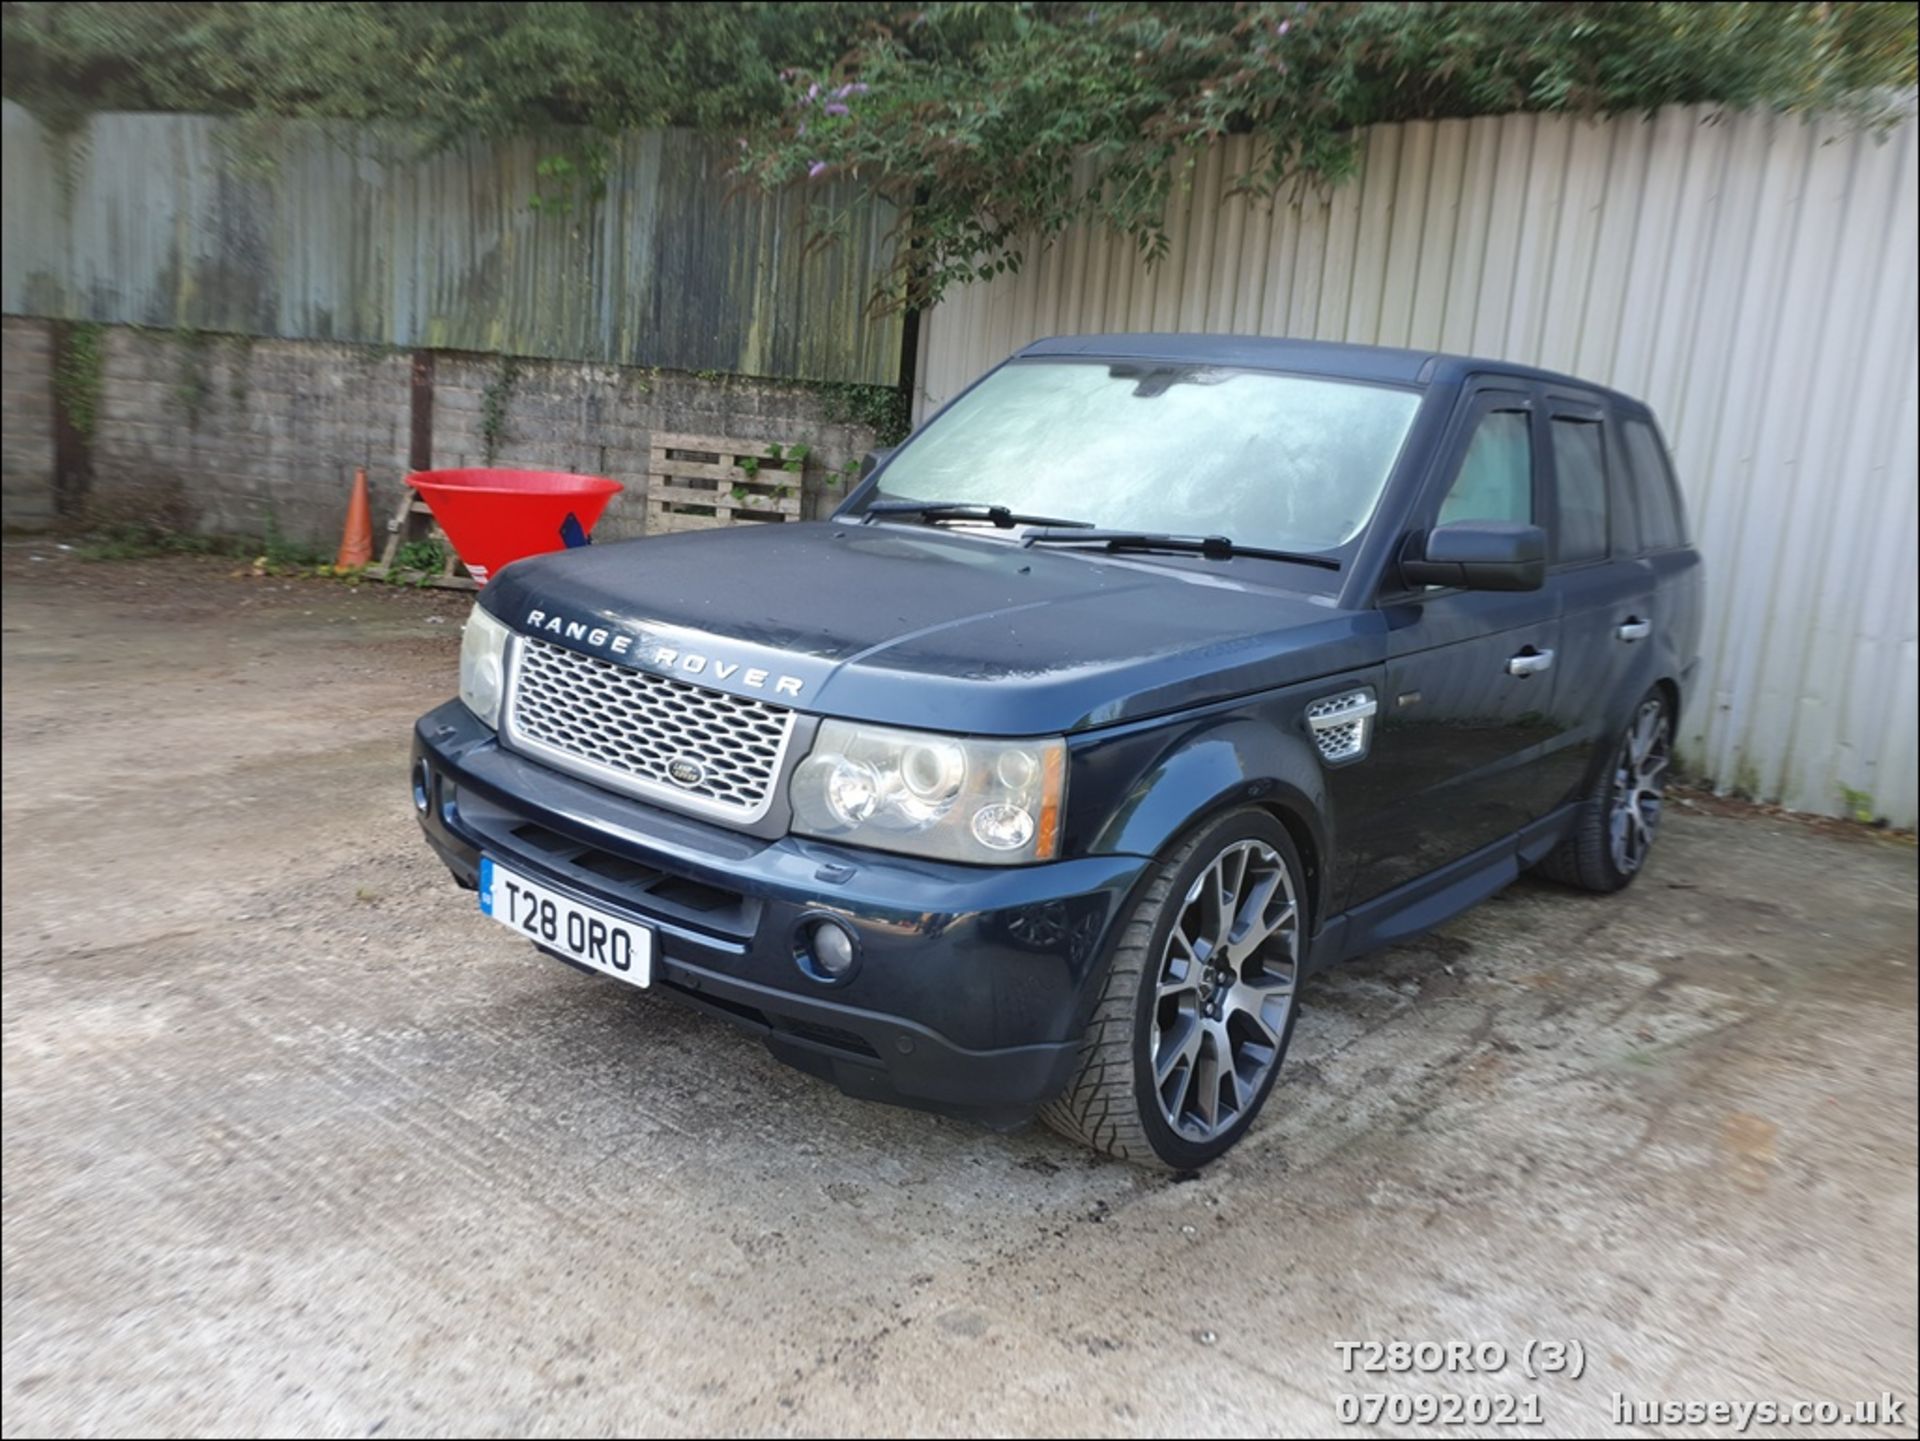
pixel 972 985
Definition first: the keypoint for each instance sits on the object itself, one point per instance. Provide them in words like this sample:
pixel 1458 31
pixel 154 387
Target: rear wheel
pixel 1619 817
pixel 1198 1005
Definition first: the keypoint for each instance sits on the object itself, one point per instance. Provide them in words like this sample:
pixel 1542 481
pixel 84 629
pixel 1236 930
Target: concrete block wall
pixel 230 435
pixel 251 434
pixel 26 438
pixel 601 420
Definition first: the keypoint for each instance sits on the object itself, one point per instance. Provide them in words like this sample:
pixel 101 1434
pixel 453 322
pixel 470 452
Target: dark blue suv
pixel 1151 675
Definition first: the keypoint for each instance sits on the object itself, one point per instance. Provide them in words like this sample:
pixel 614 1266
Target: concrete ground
pixel 296 1142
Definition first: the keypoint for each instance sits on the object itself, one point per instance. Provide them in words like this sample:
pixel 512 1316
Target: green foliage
pixel 574 179
pixel 138 541
pixel 845 475
pixel 76 379
pixel 886 410
pixel 790 457
pixel 786 460
pixel 454 71
pixel 1859 805
pixel 992 126
pixel 280 553
pixel 493 408
pixel 421 559
pixel 995 125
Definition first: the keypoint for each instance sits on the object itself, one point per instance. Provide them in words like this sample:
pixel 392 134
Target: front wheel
pixel 1618 819
pixel 1198 1006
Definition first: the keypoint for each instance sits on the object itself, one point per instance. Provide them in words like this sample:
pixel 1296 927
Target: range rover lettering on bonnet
pixel 663 657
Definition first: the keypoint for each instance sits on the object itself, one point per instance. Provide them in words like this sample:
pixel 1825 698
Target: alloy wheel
pixel 1639 786
pixel 1224 990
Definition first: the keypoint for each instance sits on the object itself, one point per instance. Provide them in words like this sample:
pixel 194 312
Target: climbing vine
pixel 493 408
pixel 886 410
pixel 76 379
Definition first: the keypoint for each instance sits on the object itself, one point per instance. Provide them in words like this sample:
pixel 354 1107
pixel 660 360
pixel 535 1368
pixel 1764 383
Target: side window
pixel 1580 487
pixel 1496 475
pixel 1661 527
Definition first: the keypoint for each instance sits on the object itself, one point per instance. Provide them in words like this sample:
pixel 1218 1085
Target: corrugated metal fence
pixel 1752 277
pixel 338 232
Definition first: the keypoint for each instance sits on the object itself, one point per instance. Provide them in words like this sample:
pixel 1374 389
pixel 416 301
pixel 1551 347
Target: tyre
pixel 1618 818
pixel 1199 1002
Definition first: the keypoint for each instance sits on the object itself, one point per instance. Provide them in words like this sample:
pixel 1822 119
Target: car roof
pixel 1377 363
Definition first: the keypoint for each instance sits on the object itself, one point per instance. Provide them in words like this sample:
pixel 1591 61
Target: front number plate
pixel 623 949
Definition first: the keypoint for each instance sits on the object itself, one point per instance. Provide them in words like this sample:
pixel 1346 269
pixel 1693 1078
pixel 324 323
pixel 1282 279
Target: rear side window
pixel 1496 476
pixel 1580 488
pixel 1661 524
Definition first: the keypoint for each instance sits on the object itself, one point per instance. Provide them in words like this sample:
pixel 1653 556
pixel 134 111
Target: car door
pixel 1676 613
pixel 1467 686
pixel 1604 590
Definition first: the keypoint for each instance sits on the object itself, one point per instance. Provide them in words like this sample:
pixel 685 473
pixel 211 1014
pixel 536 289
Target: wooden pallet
pixel 698 482
pixel 414 521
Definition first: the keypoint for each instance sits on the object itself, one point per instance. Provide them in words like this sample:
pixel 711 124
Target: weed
pixel 427 557
pixel 1859 804
pixel 280 553
pixel 137 542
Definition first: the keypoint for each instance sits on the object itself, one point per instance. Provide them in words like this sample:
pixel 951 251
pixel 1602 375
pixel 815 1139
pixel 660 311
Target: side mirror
pixel 1478 555
pixel 873 460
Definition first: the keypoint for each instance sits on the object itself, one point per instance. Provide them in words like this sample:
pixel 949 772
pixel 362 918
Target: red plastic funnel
pixel 494 517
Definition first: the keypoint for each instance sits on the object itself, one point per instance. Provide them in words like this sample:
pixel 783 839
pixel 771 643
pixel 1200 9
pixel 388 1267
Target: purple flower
pixel 1283 27
pixel 836 108
pixel 854 87
pixel 816 170
pixel 813 92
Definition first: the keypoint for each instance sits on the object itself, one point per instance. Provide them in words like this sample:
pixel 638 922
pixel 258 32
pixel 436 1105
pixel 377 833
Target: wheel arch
pixel 1203 773
pixel 1669 687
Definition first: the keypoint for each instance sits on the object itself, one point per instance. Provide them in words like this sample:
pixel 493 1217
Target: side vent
pixel 1342 725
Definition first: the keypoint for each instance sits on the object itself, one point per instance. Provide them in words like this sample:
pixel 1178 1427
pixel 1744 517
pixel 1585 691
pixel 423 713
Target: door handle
pixel 1634 629
pixel 1530 662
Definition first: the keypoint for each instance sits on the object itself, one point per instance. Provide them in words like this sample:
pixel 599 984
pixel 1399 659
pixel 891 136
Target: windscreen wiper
pixel 1214 547
pixel 933 511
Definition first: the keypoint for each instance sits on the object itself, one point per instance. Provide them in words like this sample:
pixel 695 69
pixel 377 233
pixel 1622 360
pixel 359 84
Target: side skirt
pixel 1437 897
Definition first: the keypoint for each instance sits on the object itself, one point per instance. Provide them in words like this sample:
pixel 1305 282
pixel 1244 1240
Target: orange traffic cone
pixel 356 540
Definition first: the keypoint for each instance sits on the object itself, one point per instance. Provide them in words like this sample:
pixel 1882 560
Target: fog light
pixel 826 951
pixel 422 786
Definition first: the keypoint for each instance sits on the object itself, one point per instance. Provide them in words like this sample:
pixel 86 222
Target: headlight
pixel 483 665
pixel 986 801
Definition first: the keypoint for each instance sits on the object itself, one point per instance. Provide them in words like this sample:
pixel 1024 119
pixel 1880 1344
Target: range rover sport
pixel 1151 675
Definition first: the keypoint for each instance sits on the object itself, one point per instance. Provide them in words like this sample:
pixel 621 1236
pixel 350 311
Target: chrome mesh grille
pixel 632 730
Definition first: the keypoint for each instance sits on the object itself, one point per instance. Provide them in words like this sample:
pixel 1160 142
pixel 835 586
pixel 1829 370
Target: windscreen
pixel 1282 461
